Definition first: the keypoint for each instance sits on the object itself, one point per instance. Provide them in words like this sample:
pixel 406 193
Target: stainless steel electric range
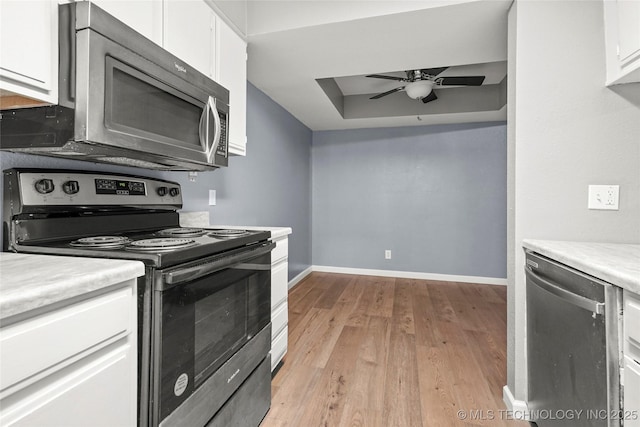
pixel 203 305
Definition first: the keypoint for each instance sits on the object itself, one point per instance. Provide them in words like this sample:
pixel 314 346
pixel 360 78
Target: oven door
pixel 204 313
pixel 126 101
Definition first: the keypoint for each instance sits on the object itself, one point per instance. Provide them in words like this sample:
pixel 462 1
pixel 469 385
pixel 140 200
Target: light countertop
pixel 618 264
pixel 201 220
pixel 29 282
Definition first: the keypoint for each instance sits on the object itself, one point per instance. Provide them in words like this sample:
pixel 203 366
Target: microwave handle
pixel 203 128
pixel 216 138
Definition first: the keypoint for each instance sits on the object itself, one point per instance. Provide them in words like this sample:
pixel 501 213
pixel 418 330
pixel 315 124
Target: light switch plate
pixel 604 197
pixel 212 197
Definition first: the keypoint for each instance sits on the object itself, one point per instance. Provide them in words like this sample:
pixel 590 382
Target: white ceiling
pixel 293 43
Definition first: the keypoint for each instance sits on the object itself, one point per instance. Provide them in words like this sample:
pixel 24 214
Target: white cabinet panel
pixel 631 360
pixel 632 318
pixel 231 64
pixel 622 40
pixel 281 251
pixel 279 319
pixel 64 333
pixel 29 49
pixel 279 283
pixel 631 392
pixel 279 300
pixel 628 30
pixel 98 394
pixel 278 348
pixel 73 366
pixel 189 33
pixel 144 16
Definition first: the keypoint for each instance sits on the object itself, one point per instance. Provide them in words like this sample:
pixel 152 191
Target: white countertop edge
pixel 616 263
pixel 29 282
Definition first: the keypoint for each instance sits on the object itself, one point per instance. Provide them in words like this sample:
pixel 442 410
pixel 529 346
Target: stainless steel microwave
pixel 122 100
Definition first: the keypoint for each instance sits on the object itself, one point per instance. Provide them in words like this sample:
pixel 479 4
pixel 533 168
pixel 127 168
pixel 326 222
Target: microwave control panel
pixel 221 150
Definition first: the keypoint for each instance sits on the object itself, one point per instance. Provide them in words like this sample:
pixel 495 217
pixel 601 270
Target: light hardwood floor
pixel 376 351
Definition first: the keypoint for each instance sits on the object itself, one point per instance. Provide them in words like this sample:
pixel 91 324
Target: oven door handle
pixel 195 272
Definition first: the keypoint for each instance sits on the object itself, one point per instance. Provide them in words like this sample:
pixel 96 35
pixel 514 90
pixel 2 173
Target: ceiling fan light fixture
pixel 419 89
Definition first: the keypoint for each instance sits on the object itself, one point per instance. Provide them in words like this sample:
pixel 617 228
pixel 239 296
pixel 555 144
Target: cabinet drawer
pixel 279 284
pixel 278 348
pixel 281 251
pixel 64 333
pixel 631 393
pixel 279 319
pixel 632 317
pixel 99 391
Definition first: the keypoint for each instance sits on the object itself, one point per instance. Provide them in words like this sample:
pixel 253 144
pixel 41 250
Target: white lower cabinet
pixel 279 300
pixel 631 372
pixel 631 392
pixel 74 366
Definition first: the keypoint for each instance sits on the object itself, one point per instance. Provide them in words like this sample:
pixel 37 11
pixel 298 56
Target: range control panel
pixel 57 188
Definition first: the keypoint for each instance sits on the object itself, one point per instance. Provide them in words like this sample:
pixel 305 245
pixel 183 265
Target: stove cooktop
pixel 161 248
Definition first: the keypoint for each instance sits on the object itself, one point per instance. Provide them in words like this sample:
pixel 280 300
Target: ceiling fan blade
pixel 431 97
pixel 461 81
pixel 389 92
pixel 381 76
pixel 433 71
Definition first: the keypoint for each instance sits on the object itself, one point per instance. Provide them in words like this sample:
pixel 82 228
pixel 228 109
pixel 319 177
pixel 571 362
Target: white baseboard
pixel 300 276
pixel 410 275
pixel 518 409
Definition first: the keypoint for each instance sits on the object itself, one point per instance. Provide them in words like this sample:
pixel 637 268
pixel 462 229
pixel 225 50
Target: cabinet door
pixel 232 74
pixel 189 33
pixel 628 31
pixel 100 392
pixel 631 392
pixel 144 16
pixel 29 49
pixel 279 285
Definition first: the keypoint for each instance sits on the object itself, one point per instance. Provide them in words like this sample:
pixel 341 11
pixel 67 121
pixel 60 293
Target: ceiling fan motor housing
pixel 419 89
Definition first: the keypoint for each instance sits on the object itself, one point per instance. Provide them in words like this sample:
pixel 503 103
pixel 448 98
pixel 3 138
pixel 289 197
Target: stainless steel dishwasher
pixel 572 346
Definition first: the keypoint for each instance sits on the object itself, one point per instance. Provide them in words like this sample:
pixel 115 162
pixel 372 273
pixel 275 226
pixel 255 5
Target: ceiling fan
pixel 420 83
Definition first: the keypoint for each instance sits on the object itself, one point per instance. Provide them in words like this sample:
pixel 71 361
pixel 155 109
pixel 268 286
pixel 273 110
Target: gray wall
pixel 567 130
pixel 434 195
pixel 270 186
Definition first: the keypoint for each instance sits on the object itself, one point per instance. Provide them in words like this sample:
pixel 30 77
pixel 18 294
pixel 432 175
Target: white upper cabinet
pixel 231 61
pixel 189 29
pixel 189 33
pixel 622 39
pixel 144 16
pixel 29 50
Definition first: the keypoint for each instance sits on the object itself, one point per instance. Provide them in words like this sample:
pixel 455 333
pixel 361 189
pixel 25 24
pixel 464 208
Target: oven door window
pixel 204 322
pixel 220 326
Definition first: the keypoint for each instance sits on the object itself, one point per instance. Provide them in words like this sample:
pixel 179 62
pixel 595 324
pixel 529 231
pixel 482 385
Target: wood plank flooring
pixel 376 351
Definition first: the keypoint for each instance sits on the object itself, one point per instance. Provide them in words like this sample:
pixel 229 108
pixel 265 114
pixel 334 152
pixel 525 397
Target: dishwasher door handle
pixel 570 297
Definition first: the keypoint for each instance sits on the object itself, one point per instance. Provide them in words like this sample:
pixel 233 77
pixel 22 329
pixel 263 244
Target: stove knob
pixel 162 191
pixel 44 186
pixel 71 187
pixel 174 191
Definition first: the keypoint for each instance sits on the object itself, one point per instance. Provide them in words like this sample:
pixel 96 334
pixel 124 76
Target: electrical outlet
pixel 212 197
pixel 387 254
pixel 604 197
